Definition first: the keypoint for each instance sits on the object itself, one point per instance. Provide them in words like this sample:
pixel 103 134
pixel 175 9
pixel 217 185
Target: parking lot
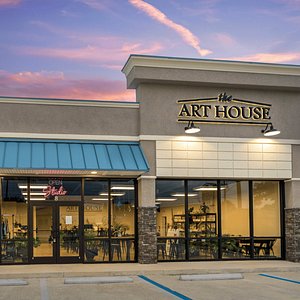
pixel 280 285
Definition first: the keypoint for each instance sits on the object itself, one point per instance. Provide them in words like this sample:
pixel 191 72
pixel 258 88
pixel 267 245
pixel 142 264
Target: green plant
pixel 230 246
pixel 119 229
pixel 36 242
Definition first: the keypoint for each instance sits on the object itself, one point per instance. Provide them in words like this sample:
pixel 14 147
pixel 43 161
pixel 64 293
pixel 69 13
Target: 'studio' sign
pixel 224 109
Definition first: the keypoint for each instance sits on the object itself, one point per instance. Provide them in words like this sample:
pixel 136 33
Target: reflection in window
pixel 14 227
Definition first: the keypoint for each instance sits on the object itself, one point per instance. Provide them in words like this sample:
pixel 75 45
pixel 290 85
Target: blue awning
pixel 71 157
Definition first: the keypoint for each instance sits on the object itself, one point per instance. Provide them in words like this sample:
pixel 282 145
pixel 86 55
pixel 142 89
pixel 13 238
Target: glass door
pixel 55 233
pixel 43 234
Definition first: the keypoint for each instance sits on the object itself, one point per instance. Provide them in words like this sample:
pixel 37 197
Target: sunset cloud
pixel 9 2
pixel 225 39
pixel 160 17
pixel 99 5
pixel 283 57
pixel 104 55
pixel 55 85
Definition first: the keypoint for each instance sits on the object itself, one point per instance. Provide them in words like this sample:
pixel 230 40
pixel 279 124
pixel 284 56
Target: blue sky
pixel 76 48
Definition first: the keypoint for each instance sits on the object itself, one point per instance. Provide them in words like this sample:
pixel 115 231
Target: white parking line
pixel 12 282
pixel 93 280
pixel 44 289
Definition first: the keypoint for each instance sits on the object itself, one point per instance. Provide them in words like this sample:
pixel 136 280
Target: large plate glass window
pixel 14 227
pixel 202 217
pixel 235 219
pixel 266 217
pixel 96 223
pixel 55 189
pixel 170 203
pixel 122 193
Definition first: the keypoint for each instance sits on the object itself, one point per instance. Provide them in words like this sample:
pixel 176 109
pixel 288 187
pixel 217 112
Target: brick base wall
pixel 292 234
pixel 147 235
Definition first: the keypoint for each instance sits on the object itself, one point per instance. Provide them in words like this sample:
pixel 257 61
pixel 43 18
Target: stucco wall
pixel 159 110
pixel 60 119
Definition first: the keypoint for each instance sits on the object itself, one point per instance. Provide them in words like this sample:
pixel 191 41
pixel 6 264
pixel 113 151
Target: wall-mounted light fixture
pixel 270 130
pixel 191 128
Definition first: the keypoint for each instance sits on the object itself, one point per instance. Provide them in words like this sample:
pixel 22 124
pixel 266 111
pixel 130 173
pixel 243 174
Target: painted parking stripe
pixel 12 282
pixel 44 289
pixel 280 278
pixel 174 293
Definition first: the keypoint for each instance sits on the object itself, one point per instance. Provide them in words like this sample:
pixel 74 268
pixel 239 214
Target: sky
pixel 75 49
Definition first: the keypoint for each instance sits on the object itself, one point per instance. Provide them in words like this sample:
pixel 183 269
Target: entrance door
pixel 55 233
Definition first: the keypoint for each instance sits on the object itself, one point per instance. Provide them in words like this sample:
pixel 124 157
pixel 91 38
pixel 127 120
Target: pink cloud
pixel 9 2
pixel 159 16
pixel 283 57
pixel 108 55
pixel 94 4
pixel 56 85
pixel 225 39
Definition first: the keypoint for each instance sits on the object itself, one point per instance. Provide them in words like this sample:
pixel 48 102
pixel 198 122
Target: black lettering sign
pixel 226 109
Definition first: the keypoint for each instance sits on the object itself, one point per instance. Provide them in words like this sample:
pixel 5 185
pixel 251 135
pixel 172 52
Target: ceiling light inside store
pixel 35 199
pixel 36 194
pixel 100 199
pixel 165 199
pixel 208 188
pixel 182 195
pixel 125 188
pixel 113 194
pixel 33 187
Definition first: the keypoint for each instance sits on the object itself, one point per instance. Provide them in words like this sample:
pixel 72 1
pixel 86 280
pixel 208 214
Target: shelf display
pixel 201 224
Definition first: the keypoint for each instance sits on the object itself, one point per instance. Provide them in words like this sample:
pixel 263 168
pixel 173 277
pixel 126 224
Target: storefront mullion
pixel 187 222
pixel 109 221
pixel 251 223
pixel 282 219
pixel 219 218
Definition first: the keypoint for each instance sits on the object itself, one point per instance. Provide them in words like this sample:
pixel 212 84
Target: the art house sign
pixel 224 109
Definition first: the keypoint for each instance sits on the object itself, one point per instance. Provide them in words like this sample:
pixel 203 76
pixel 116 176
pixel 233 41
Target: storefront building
pixel 92 182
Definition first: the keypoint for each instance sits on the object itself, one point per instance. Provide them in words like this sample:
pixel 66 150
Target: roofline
pixel 68 102
pixel 209 64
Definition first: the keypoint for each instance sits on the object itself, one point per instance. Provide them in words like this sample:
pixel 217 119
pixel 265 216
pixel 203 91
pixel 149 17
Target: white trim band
pixel 184 138
pixel 66 102
pixel 26 135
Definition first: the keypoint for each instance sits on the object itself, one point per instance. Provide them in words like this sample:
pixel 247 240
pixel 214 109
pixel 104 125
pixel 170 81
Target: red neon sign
pixel 53 191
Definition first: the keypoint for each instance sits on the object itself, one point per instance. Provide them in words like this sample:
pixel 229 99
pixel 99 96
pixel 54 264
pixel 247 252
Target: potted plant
pixel 21 248
pixel 91 246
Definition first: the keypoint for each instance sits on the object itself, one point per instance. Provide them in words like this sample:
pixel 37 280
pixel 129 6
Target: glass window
pixel 266 217
pixel 55 189
pixel 235 219
pixel 235 208
pixel 96 220
pixel 266 208
pixel 170 202
pixel 14 227
pixel 202 216
pixel 122 220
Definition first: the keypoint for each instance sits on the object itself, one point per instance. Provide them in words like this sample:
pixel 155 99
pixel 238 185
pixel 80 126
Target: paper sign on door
pixel 68 220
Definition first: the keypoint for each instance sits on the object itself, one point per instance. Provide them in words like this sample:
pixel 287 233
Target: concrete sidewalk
pixel 130 269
